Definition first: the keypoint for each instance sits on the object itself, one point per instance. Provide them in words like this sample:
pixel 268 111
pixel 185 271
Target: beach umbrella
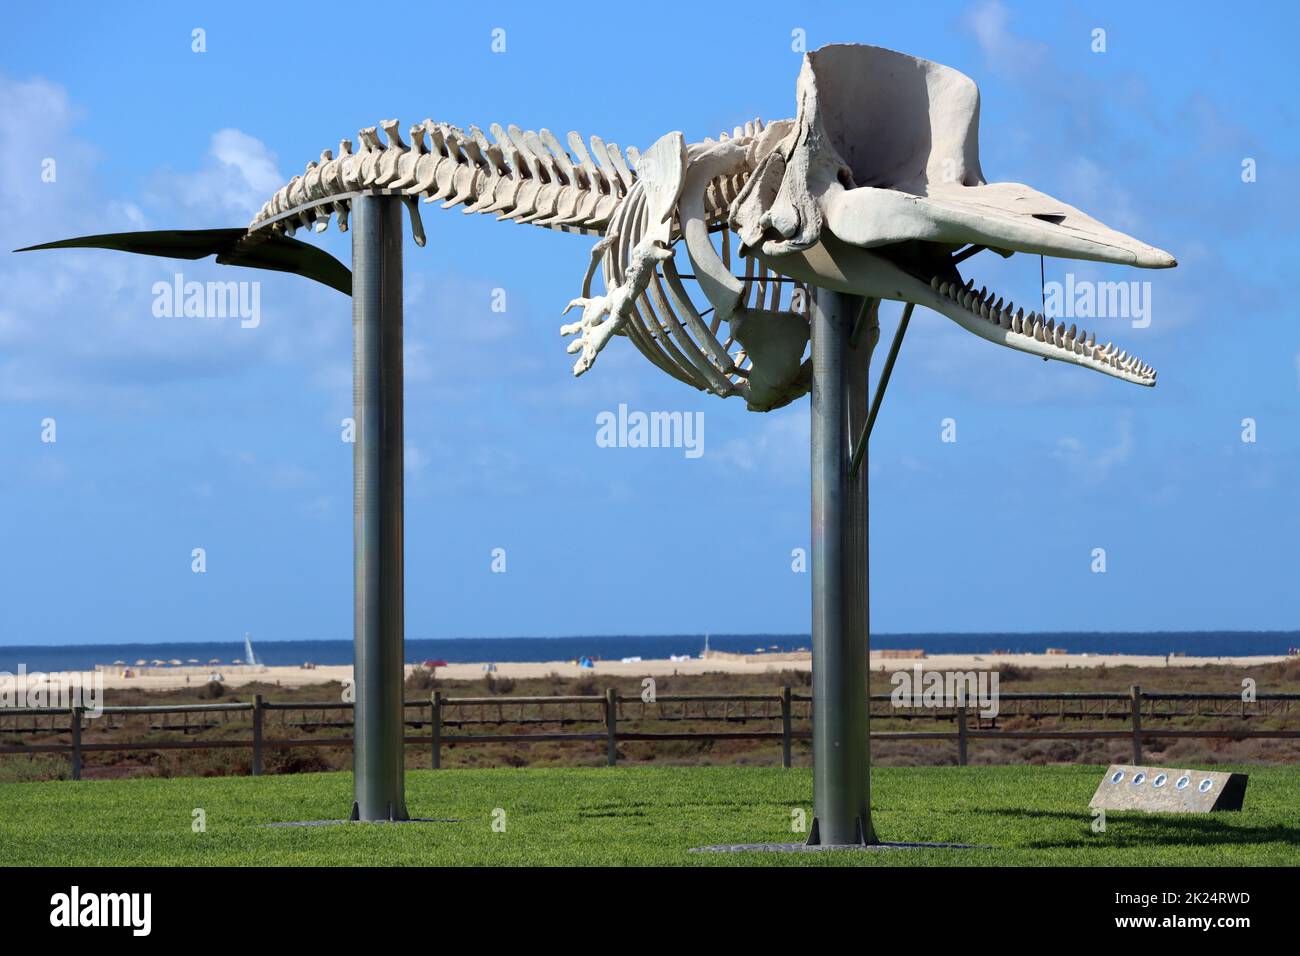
pixel 119 663
pixel 191 660
pixel 155 662
pixel 174 662
pixel 140 663
pixel 237 661
pixel 214 661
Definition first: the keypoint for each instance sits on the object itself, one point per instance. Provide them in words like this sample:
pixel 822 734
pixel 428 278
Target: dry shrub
pixel 212 690
pixel 421 678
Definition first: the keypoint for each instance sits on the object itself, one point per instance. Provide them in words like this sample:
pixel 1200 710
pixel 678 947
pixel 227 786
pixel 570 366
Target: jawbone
pixel 838 266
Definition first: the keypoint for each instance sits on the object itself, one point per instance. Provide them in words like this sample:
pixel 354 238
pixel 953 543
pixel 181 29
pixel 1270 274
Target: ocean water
pixel 67 657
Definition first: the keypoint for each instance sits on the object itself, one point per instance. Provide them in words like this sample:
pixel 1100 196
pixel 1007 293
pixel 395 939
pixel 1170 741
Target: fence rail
pixel 1135 708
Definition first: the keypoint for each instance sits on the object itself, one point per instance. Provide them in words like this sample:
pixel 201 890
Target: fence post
pixel 257 735
pixel 1135 693
pixel 611 727
pixel 785 727
pixel 961 735
pixel 437 729
pixel 76 742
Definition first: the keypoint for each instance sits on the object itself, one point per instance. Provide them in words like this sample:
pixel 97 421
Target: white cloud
pixel 77 324
pixel 1096 466
pixel 237 176
pixel 988 22
pixel 777 447
pixel 1098 191
pixel 35 117
pixel 414 460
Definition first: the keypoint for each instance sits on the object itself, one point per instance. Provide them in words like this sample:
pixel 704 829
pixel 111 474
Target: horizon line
pixel 684 634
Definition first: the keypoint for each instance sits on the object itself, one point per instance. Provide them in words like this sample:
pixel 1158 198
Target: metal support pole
pixel 378 762
pixel 841 762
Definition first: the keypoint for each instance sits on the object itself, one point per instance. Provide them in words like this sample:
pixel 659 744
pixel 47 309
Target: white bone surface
pixel 883 150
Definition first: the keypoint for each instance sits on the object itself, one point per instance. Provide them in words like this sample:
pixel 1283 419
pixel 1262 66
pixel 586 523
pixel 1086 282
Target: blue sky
pixel 183 433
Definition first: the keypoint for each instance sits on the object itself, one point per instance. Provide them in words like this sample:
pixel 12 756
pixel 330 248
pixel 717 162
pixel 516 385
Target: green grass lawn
pixel 1024 815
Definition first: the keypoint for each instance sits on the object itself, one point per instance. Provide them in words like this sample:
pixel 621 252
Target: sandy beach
pixel 171 678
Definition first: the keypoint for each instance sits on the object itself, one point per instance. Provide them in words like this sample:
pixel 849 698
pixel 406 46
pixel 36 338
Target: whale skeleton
pixel 874 189
pixel 793 233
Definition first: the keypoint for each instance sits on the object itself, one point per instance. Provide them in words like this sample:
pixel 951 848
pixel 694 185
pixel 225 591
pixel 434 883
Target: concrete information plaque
pixel 1162 790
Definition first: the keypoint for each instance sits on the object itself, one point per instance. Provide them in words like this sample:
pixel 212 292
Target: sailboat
pixel 248 650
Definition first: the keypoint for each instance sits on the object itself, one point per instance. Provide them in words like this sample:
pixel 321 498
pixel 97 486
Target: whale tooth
pixel 984 291
pixel 1004 318
pixel 1069 336
pixel 970 285
pixel 1038 329
pixel 943 288
pixel 1060 336
pixel 934 283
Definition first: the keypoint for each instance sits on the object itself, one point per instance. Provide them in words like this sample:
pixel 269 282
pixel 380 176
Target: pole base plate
pixel 827 847
pixel 331 823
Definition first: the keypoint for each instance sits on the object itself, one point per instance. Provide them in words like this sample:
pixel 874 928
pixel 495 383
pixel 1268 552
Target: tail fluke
pixel 232 247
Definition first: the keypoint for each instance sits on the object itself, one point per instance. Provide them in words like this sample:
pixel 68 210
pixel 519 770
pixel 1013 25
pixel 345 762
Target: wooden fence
pixel 1136 709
